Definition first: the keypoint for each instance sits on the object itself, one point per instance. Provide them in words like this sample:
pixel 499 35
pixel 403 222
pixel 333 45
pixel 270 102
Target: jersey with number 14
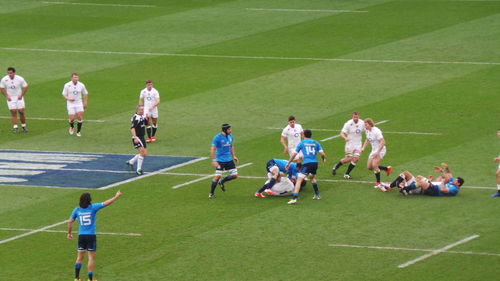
pixel 309 148
pixel 86 218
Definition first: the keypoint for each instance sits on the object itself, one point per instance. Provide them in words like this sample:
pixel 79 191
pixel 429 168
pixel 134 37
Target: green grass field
pixel 426 66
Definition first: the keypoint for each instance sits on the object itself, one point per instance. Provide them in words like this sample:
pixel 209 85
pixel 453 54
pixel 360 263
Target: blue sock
pixel 315 187
pixel 91 275
pixel 295 195
pixel 212 188
pixel 77 270
pixel 227 178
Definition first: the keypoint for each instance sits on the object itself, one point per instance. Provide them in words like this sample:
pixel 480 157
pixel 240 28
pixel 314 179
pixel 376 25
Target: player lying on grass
pixel 444 185
pixel 283 187
pixel 274 168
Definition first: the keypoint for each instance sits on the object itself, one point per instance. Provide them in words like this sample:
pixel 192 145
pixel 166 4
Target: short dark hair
pixel 355 113
pixel 308 133
pixel 460 181
pixel 291 117
pixel 85 200
pixel 11 69
pixel 225 127
pixel 74 74
pixel 148 81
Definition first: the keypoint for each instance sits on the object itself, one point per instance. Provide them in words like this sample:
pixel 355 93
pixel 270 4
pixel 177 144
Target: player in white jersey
pixel 376 139
pixel 497 160
pixel 150 98
pixel 352 135
pixel 294 133
pixel 76 96
pixel 14 87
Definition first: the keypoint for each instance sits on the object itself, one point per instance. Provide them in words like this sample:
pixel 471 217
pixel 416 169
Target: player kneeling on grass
pixel 310 148
pixel 274 168
pixel 85 213
pixel 138 128
pixel 444 185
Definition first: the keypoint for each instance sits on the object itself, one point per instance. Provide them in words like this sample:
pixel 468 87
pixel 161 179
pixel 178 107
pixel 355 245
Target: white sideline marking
pixel 53 119
pixel 64 231
pixel 33 232
pixel 250 57
pixel 438 251
pixel 336 136
pixel 97 4
pixel 204 177
pixel 302 10
pixel 152 174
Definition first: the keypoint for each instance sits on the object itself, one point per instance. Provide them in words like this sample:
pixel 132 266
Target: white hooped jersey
pixel 71 90
pixel 354 131
pixel 374 136
pixel 150 97
pixel 294 135
pixel 13 86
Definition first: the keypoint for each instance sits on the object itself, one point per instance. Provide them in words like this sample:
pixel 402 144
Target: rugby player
pixel 137 128
pixel 292 134
pixel 14 87
pixel 352 135
pixel 376 139
pixel 74 91
pixel 223 158
pixel 274 168
pixel 150 98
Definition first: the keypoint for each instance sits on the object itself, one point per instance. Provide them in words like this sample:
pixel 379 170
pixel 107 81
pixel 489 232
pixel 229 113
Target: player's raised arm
pixel 113 199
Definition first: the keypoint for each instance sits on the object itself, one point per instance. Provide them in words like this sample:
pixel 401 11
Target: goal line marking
pixel 52 119
pixel 336 136
pixel 64 231
pixel 98 4
pixel 305 10
pixel 204 176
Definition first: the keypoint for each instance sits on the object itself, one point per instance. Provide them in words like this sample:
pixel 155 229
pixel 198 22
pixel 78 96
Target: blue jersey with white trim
pixel 292 170
pixel 452 189
pixel 86 218
pixel 309 148
pixel 223 145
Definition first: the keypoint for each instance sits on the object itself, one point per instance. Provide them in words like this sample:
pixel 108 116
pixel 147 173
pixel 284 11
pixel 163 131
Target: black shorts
pixel 269 165
pixel 309 168
pixel 432 190
pixel 142 142
pixel 87 242
pixel 226 166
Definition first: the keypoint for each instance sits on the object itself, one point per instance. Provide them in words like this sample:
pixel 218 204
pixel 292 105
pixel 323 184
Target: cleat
pixel 404 192
pixel 382 189
pixel 222 187
pixel 388 171
pixel 377 185
pixel 347 176
pixel 269 192
pixel 292 202
pixel 139 172
pixel 15 130
pixel 211 196
pixel 334 172
pixel 153 138
pixel 71 131
pixel 316 197
pixel 496 194
pixel 25 130
pixel 78 134
pixel 131 166
pixel 149 140
pixel 260 195
pixel 386 186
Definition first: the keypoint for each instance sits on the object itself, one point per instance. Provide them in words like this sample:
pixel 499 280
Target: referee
pixel 138 130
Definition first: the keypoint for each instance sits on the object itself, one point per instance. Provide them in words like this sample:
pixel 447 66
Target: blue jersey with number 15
pixel 86 218
pixel 309 148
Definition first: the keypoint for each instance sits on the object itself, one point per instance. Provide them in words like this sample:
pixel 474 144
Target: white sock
pixel 139 162
pixel 498 187
pixel 15 126
pixel 23 125
pixel 132 161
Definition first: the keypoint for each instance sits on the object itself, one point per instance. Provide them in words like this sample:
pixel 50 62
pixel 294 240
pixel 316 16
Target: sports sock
pixel 79 126
pixel 132 161
pixel 338 165
pixel 351 166
pixel 377 176
pixel 148 130
pixel 78 266
pixel 212 188
pixel 15 126
pixel 154 130
pixel 227 178
pixel 396 182
pixel 498 187
pixel 91 276
pixel 72 124
pixel 315 187
pixel 23 125
pixel 383 168
pixel 271 183
pixel 139 162
pixel 295 195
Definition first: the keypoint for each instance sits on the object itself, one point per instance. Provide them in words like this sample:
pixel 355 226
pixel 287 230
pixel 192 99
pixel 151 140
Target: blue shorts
pixel 226 166
pixel 309 168
pixel 432 190
pixel 87 242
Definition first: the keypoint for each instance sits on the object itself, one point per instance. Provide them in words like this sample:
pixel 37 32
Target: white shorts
pixel 382 154
pixel 153 113
pixel 283 188
pixel 74 109
pixel 15 103
pixel 352 149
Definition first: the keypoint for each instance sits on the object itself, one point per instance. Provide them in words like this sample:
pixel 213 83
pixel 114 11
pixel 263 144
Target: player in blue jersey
pixel 309 148
pixel 274 168
pixel 223 158
pixel 86 216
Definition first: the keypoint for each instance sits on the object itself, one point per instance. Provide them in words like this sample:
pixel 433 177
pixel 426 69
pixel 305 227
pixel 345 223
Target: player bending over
pixel 274 168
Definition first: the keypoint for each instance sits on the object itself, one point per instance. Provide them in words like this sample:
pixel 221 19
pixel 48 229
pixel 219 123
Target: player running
pixel 14 87
pixel 74 91
pixel 352 135
pixel 376 139
pixel 150 98
pixel 293 133
pixel 309 148
pixel 86 213
pixel 137 128
pixel 223 158
pixel 274 168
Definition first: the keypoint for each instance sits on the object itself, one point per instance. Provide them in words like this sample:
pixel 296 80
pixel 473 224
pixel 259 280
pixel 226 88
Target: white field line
pixel 153 173
pixel 64 231
pixel 33 232
pixel 157 54
pixel 307 11
pixel 205 177
pixel 52 119
pixel 438 251
pixel 336 136
pixel 413 249
pixel 97 4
